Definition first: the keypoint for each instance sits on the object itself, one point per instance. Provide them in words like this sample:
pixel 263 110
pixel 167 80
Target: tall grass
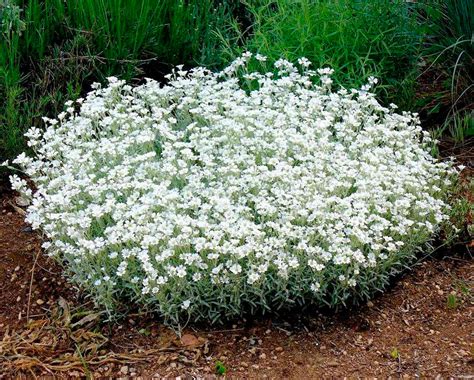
pixel 357 38
pixel 11 27
pixel 52 50
pixel 449 57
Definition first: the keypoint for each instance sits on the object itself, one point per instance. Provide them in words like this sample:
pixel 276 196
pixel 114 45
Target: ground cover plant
pixel 233 192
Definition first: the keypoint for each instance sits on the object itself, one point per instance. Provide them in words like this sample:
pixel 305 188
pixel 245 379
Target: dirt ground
pixel 422 326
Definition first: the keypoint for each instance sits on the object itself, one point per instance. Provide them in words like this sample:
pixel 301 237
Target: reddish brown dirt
pixel 410 330
pixel 19 249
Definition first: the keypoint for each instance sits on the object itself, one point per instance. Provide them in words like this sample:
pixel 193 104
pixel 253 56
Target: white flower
pixel 252 278
pixel 304 62
pixel 235 269
pixel 185 305
pixel 373 81
pixel 325 71
pixel 181 271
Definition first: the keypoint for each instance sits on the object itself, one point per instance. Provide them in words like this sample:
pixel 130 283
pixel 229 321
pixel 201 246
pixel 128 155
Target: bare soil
pixel 422 326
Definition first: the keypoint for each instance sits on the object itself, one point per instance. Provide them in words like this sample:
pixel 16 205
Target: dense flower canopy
pixel 223 193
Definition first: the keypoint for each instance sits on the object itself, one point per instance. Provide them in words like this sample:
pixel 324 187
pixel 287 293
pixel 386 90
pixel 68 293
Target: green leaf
pixel 145 332
pixel 452 301
pixel 220 368
pixel 394 353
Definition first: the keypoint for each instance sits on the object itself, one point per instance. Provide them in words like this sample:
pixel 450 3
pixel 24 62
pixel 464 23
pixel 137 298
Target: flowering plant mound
pixel 231 192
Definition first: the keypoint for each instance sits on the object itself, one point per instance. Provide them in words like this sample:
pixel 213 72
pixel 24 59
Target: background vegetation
pixel 448 57
pixel 52 50
pixel 356 38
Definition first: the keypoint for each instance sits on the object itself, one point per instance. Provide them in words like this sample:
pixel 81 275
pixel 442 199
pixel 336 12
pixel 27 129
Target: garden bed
pixel 184 207
pixel 415 328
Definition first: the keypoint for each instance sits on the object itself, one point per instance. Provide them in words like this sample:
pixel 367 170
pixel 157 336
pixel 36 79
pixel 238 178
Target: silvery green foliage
pixel 226 192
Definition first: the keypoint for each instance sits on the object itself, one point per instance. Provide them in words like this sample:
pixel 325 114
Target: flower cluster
pixel 231 192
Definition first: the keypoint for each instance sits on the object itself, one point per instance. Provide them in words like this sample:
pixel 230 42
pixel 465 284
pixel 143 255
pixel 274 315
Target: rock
pixel 279 349
pixel 124 370
pixel 189 340
pixel 39 301
pixel 263 356
pixel 22 202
